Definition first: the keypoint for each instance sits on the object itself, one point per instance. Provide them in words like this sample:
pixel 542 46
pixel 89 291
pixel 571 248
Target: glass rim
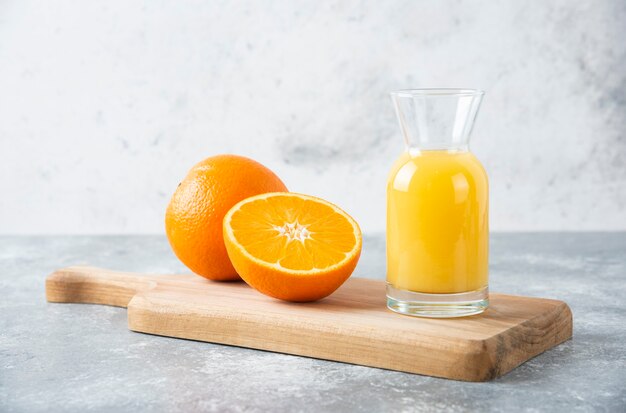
pixel 437 92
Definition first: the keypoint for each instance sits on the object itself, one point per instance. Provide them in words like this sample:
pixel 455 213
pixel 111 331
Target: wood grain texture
pixel 353 325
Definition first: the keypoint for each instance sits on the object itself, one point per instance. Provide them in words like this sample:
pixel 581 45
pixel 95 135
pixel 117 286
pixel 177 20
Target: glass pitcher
pixel 437 208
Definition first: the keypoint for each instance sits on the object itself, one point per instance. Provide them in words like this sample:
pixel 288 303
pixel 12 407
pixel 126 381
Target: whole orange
pixel 193 220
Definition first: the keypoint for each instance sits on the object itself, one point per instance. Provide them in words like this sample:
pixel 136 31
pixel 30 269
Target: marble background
pixel 105 105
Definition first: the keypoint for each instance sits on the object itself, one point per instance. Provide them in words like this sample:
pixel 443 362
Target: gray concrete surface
pixel 67 357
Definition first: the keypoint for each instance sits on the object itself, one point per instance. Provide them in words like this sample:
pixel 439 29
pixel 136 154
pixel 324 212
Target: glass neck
pixel 440 148
pixel 437 119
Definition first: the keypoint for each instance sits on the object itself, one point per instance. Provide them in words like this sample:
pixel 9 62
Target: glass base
pixel 437 305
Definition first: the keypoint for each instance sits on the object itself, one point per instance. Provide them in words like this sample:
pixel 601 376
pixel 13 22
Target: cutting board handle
pixel 95 286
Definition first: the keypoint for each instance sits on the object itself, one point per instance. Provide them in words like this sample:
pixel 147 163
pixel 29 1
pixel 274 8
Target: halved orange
pixel 291 246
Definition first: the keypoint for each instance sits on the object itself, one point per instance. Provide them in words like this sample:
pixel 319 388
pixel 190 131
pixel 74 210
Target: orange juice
pixel 437 223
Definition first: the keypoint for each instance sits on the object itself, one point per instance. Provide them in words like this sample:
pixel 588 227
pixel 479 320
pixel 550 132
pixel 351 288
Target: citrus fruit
pixel 193 220
pixel 291 246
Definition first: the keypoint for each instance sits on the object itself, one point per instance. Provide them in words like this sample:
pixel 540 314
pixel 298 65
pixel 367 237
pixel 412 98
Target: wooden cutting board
pixel 352 325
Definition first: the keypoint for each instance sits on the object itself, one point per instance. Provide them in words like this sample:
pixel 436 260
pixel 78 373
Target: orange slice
pixel 291 246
